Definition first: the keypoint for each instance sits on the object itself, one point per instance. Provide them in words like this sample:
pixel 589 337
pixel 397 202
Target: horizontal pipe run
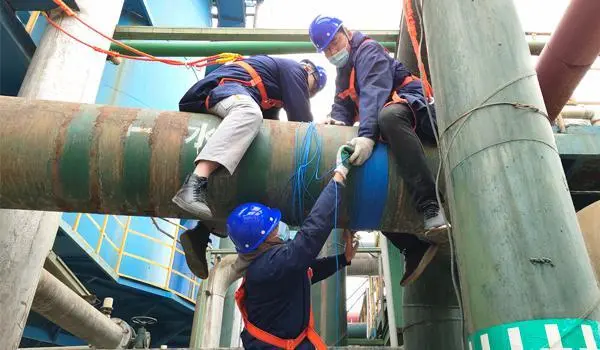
pixel 246 48
pixel 201 49
pixel 60 156
pixel 230 34
pixel 59 304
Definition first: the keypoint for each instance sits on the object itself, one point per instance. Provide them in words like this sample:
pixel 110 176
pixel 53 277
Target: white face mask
pixel 340 58
pixel 284 232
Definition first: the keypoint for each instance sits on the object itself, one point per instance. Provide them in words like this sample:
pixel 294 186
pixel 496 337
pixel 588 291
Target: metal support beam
pixel 519 248
pixel 64 307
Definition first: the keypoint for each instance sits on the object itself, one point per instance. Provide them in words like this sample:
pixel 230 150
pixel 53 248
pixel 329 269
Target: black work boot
pixel 434 223
pixel 416 259
pixel 192 197
pixel 194 242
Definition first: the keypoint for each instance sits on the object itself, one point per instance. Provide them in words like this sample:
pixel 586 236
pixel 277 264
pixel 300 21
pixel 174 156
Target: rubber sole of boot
pixel 196 265
pixel 438 235
pixel 202 213
pixel 425 260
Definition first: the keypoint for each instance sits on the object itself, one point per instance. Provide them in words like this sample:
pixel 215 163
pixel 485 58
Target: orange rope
pixel 412 31
pixel 142 56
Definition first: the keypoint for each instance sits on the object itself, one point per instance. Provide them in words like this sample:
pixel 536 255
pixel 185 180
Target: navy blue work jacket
pixel 277 284
pixel 284 80
pixel 377 76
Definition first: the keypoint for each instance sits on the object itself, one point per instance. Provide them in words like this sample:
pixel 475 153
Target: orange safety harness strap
pixel 266 337
pixel 255 81
pixel 412 32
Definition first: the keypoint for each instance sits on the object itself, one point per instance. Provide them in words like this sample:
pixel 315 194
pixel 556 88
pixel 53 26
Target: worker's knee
pixel 246 106
pixel 395 114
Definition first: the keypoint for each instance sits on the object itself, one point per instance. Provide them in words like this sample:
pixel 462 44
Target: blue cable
pixel 301 184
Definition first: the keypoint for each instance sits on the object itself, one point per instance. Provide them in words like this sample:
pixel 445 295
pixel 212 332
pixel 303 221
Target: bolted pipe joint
pixel 127 331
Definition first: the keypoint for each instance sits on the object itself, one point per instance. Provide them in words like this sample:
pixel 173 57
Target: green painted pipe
pixel 522 259
pixel 61 156
pixel 208 48
pixel 432 318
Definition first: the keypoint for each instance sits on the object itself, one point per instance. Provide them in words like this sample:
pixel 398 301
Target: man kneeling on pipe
pixel 242 93
pixel 279 267
pixel 388 102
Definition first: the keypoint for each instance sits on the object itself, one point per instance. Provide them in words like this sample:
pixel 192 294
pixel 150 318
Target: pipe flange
pixel 128 332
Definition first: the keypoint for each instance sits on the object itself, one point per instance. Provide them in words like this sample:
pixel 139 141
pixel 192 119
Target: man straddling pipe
pixel 242 93
pixel 388 102
pixel 279 267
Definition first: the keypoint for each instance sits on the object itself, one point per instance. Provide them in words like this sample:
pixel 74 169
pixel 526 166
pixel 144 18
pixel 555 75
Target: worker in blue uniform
pixel 388 102
pixel 279 267
pixel 241 93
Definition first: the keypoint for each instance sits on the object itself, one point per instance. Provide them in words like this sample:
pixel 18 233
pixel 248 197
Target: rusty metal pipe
pixel 572 49
pixel 104 159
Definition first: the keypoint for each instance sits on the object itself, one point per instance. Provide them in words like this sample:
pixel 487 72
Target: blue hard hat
pixel 319 73
pixel 322 30
pixel 249 225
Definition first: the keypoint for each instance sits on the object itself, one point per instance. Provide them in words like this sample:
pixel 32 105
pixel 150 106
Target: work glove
pixel 363 147
pixel 342 160
pixel 331 121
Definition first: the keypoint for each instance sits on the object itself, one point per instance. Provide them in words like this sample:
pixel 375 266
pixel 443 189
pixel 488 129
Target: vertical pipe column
pixel 387 280
pixel 230 309
pixel 525 274
pixel 329 297
pixel 61 69
pixel 432 318
pixel 208 316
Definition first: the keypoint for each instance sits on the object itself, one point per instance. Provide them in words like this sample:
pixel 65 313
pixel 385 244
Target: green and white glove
pixel 363 147
pixel 342 160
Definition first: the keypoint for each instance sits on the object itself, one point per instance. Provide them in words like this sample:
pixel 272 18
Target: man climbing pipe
pixel 279 267
pixel 242 93
pixel 388 102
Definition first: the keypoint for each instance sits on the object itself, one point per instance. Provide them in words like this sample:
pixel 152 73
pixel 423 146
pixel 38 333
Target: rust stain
pixel 69 113
pixel 106 155
pixel 168 136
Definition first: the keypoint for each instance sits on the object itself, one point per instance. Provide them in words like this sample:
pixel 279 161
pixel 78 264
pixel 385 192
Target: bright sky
pixel 535 16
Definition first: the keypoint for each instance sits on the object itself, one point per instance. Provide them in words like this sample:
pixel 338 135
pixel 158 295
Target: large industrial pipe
pixel 59 304
pixel 206 328
pixel 519 249
pixel 572 49
pixel 432 318
pixel 104 159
